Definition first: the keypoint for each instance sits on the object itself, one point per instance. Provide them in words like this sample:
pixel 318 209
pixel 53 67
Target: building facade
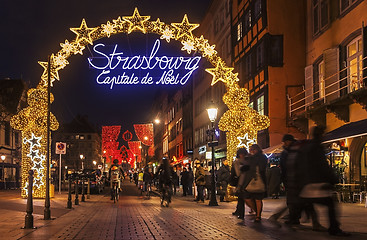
pixel 334 94
pixel 268 48
pixel 216 28
pixel 83 143
pixel 12 99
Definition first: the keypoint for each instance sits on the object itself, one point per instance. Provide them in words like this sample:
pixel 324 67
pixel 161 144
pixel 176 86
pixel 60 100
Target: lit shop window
pixel 260 105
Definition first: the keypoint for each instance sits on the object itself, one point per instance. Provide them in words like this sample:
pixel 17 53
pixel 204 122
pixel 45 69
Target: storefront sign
pixel 115 68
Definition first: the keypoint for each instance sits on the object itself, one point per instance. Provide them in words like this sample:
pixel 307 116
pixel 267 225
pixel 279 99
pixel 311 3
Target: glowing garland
pixel 109 143
pixel 127 136
pixel 32 120
pixel 135 147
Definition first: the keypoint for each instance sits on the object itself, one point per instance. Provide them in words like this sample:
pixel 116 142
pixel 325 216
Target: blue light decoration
pixel 115 68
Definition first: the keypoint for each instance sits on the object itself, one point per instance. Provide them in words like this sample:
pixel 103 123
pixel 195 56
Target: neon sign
pixel 174 70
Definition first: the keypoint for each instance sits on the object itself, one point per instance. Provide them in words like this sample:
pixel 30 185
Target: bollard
pixel 69 204
pixel 88 189
pixel 76 191
pixel 83 197
pixel 29 217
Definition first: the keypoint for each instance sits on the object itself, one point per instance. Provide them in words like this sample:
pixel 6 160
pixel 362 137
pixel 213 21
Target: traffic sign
pixel 99 166
pixel 60 148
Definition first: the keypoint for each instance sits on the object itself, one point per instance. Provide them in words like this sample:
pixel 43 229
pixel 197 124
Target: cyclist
pixel 165 173
pixel 116 173
pixel 141 181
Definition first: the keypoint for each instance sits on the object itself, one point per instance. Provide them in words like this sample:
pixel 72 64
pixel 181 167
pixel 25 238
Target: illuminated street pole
pixel 212 113
pixel 47 211
pixel 3 159
pixel 81 159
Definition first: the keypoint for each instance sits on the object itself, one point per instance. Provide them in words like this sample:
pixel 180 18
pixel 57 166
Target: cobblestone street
pixel 136 217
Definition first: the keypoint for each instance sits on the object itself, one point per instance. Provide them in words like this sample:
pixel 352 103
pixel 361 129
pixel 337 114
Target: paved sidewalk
pixel 136 217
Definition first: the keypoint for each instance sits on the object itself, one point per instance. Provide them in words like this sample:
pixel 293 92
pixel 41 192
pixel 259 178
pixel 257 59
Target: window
pixel 239 31
pixel 275 52
pixel 251 105
pixel 321 77
pixel 346 4
pixel 354 64
pixel 257 9
pixel 248 21
pixel 260 105
pixel 260 55
pixel 320 10
pixel 7 133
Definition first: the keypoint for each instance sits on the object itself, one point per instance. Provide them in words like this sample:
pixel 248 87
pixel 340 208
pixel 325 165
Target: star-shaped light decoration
pixel 118 23
pixel 83 32
pixel 220 73
pixel 201 42
pixel 245 142
pixel 33 141
pixel 167 34
pixel 158 25
pixel 232 79
pixel 185 28
pixel 38 182
pixel 78 48
pixel 188 46
pixel 33 154
pixel 108 29
pixel 37 166
pixel 54 70
pixel 136 22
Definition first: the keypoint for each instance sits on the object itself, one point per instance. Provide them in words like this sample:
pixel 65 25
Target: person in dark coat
pixel 223 176
pixel 273 181
pixel 199 181
pixel 316 178
pixel 185 182
pixel 191 180
pixel 256 162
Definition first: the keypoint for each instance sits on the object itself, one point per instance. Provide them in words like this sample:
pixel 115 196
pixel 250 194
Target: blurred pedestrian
pixel 185 182
pixel 208 182
pixel 223 176
pixel 199 181
pixel 237 178
pixel 190 180
pixel 255 180
pixel 317 179
pixel 273 180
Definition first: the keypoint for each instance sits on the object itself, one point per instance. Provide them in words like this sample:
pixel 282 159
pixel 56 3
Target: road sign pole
pixel 60 175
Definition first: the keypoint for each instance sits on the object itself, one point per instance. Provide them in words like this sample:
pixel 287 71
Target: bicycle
pixel 115 192
pixel 149 189
pixel 166 195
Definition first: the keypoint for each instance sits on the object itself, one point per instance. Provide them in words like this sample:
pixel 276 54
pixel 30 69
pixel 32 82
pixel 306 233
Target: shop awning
pixel 350 130
pixel 274 149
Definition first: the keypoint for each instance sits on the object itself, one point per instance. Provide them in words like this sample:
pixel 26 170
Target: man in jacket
pixel 199 181
pixel 223 176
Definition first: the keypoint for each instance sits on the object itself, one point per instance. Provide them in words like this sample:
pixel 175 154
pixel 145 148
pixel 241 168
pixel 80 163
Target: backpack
pixel 115 175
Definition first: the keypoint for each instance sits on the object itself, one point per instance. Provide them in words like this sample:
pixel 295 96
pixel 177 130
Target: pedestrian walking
pixel 199 181
pixel 185 182
pixel 223 176
pixel 237 178
pixel 273 180
pixel 317 179
pixel 254 181
pixel 208 182
pixel 190 180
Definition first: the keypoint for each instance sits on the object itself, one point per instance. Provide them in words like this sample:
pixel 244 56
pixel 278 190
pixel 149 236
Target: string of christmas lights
pixel 144 132
pixel 33 118
pixel 135 147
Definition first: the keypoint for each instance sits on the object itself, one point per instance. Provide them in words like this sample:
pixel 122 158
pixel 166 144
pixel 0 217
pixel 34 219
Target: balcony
pixel 332 94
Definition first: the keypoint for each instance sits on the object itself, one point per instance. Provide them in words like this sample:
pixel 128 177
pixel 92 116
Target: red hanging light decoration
pixel 109 143
pixel 135 147
pixel 127 135
pixel 144 132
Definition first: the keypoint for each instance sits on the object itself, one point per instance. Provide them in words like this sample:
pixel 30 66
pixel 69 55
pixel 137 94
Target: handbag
pixel 256 185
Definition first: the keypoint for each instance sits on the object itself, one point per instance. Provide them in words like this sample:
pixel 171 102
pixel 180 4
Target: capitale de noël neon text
pixel 170 74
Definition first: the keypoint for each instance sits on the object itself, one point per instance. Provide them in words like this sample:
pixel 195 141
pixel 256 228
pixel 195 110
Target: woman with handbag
pixel 254 187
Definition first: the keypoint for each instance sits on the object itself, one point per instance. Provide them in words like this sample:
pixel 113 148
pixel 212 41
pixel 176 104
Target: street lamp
pixel 94 163
pixel 212 113
pixel 3 159
pixel 81 158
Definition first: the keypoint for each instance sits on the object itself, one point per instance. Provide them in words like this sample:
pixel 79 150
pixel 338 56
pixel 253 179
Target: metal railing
pixel 300 102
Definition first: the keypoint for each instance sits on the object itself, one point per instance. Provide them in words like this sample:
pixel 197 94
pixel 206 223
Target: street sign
pixel 60 148
pixel 99 166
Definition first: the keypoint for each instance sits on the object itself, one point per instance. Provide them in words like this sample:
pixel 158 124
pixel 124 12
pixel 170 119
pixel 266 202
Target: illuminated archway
pixel 240 122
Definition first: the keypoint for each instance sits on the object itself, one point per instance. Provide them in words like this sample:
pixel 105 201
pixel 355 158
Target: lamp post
pixel 81 159
pixel 212 113
pixel 3 159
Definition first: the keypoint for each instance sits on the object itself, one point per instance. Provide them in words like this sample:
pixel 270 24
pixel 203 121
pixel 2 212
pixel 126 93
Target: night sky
pixel 31 30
